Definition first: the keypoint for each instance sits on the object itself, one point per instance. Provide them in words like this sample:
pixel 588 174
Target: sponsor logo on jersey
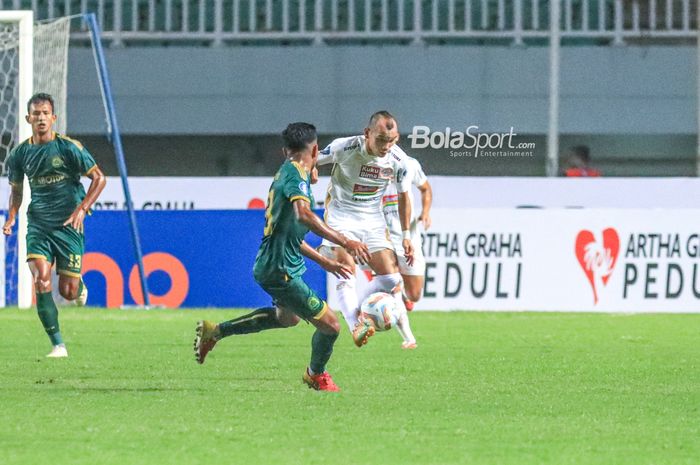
pixel 351 147
pixel 370 172
pixel 387 173
pixel 46 180
pixel 363 193
pixel 390 202
pixel 304 188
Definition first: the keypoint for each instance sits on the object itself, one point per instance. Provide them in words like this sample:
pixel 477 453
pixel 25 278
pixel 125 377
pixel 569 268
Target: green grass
pixel 489 388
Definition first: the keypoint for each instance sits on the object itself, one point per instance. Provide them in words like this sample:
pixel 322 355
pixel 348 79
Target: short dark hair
pixel 298 136
pixel 581 151
pixel 378 115
pixel 38 98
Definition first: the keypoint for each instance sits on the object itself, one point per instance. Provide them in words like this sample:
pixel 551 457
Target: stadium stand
pixel 496 47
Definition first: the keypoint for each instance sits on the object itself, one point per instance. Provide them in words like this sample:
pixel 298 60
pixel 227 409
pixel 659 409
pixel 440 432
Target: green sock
pixel 321 350
pixel 256 321
pixel 48 314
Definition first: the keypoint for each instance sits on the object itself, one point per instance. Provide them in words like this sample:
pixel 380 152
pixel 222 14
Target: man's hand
pixel 7 228
pixel 425 219
pixel 408 251
pixel 75 220
pixel 340 270
pixel 358 251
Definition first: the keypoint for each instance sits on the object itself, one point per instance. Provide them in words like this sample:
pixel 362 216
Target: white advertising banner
pixel 594 260
pixel 226 193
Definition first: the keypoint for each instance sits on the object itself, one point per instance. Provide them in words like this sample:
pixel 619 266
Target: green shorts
pixel 63 245
pixel 296 296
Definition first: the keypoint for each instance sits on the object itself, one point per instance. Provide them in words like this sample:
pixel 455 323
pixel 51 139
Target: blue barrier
pixel 216 249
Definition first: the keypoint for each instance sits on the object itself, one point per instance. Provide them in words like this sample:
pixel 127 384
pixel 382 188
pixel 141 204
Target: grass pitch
pixel 482 388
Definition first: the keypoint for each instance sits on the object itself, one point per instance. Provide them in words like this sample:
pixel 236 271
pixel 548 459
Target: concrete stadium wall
pixel 258 90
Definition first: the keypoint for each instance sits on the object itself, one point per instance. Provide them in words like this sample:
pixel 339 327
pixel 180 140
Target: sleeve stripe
pixel 297 197
pixel 91 169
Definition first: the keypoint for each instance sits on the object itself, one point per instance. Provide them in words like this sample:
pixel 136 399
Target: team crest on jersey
pixel 304 188
pixel 56 162
pixel 370 172
pixel 387 173
pixel 313 302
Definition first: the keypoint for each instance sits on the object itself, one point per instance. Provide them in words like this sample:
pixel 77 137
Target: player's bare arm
pixel 426 196
pixel 16 193
pixel 340 270
pixel 405 219
pixel 97 184
pixel 303 212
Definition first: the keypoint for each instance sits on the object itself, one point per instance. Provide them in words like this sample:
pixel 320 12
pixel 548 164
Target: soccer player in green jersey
pixel 279 264
pixel 53 165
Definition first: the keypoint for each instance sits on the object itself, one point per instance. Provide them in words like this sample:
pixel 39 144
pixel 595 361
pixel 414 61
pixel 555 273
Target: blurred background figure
pixel 578 163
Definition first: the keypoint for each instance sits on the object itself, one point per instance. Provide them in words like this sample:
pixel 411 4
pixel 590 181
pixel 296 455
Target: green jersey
pixel 280 251
pixel 54 171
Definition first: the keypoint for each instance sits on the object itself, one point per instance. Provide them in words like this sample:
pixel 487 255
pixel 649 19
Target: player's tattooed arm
pixel 340 270
pixel 16 193
pixel 305 215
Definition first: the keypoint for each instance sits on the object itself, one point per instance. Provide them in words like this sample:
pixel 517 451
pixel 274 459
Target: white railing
pixel 327 21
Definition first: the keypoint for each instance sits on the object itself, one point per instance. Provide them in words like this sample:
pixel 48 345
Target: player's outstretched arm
pixel 426 197
pixel 16 194
pixel 405 219
pixel 97 184
pixel 340 270
pixel 305 215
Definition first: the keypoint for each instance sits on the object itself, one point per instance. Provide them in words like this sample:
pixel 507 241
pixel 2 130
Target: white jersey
pixel 359 180
pixel 415 177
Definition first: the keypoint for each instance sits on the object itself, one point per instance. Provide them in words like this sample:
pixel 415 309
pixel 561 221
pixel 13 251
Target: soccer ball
pixel 380 309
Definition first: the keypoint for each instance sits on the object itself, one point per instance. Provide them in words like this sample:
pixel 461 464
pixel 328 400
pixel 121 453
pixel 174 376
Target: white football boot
pixel 58 351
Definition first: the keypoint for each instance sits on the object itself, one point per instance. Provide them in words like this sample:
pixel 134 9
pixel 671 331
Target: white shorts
pixel 418 267
pixel 370 229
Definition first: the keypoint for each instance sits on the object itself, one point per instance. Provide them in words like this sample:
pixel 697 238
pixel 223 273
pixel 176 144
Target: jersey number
pixel 74 261
pixel 268 214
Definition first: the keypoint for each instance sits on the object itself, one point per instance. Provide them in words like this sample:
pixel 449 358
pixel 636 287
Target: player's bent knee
pixel 390 282
pixel 286 318
pixel 334 327
pixel 414 295
pixel 68 288
pixel 68 292
pixel 42 285
pixel 328 324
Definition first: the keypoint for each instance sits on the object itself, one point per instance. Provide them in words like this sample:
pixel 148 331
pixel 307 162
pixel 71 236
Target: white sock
pixel 404 328
pixel 384 283
pixel 393 284
pixel 347 296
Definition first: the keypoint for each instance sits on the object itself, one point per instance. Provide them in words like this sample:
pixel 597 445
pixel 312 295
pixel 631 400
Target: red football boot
pixel 321 382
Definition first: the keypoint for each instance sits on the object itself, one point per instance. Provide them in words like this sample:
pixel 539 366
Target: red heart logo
pixel 597 260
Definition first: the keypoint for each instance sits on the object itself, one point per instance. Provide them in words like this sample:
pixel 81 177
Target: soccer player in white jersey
pixel 363 167
pixel 413 274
